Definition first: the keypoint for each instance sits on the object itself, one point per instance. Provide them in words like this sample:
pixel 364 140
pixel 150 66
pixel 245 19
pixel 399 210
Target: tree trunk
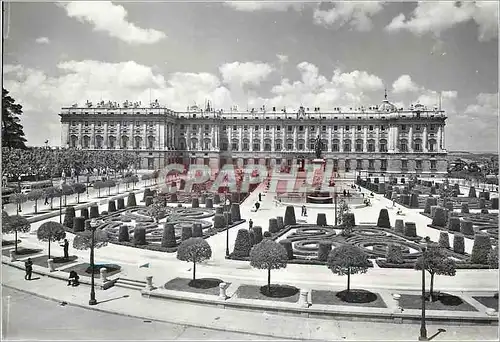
pixel 194 270
pixel 348 279
pixel 15 241
pixel 99 192
pixel 36 206
pixel 77 198
pixel 51 203
pixel 431 290
pixel 49 248
pixel 269 280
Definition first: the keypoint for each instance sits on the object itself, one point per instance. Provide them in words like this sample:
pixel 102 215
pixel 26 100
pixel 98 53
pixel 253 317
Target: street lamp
pixel 226 203
pixel 335 203
pixel 423 329
pixel 93 226
pixel 60 200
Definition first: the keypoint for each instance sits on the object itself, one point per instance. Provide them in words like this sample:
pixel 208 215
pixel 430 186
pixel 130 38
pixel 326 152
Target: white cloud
pixel 355 14
pixel 43 40
pixel 246 73
pixel 112 19
pixel 251 6
pixel 486 106
pixel 404 84
pixel 282 59
pixel 436 17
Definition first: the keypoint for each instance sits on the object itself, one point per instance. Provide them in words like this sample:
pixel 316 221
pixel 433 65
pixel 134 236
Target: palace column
pixel 92 135
pixel 341 144
pixel 273 138
pixel 306 138
pixel 410 139
pixel 377 143
pixel 365 138
pixel 80 134
pixel 329 138
pixel 439 143
pixel 262 138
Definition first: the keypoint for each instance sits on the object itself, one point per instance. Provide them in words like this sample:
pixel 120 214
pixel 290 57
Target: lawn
pixel 83 269
pixel 21 251
pixel 354 297
pixel 204 285
pixel 58 261
pixel 282 293
pixel 488 301
pixel 444 302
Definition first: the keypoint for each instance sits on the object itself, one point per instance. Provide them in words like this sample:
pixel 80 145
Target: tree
pixel 51 231
pixel 14 224
pixel 194 250
pixel 79 188
pixel 98 185
pixel 12 130
pixel 436 262
pixel 493 258
pixel 83 241
pixel 35 195
pixel 347 259
pixel 268 255
pixel 67 190
pixel 18 199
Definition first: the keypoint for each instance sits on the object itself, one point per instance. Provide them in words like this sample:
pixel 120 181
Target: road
pixel 29 317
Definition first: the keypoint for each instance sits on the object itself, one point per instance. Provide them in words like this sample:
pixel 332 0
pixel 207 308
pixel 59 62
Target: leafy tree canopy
pixel 15 223
pixel 347 259
pixel 268 254
pixel 436 261
pixel 12 130
pixel 194 250
pixel 51 231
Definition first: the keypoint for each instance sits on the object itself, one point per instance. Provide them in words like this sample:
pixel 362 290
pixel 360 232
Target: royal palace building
pixel 381 140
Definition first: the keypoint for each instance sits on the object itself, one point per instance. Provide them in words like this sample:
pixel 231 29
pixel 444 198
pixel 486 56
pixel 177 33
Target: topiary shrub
pixel 168 238
pixel 195 203
pixel 287 244
pixel 123 234
pixel 139 236
pixel 324 248
pixel 494 203
pixel 480 249
pixel 458 243
pixel 227 216
pixel 179 205
pixel 464 208
pixel 414 201
pixel 104 213
pixel 493 258
pixel 273 225
pixel 120 203
pixel 69 216
pixel 484 211
pixel 147 192
pixel 383 219
pixel 84 213
pixel 242 244
pixel 173 198
pixel 194 250
pixel 216 198
pixel 429 202
pixel 410 229
pixel 348 219
pixel 399 226
pixel 267 235
pixel 321 219
pixel 466 227
pixel 394 254
pixel 50 231
pixel 472 192
pixel 290 216
pixel 433 190
pixel 258 234
pixel 87 224
pixel 219 221
pixel 149 201
pixel 268 255
pixel 482 203
pixel 186 233
pixel 197 230
pixel 209 203
pixel 281 223
pixel 454 224
pixel 78 224
pixel 203 198
pixel 219 210
pixel 94 212
pixel 439 218
pixel 235 212
pixel 111 206
pixel 449 206
pixel 131 200
pixel 444 240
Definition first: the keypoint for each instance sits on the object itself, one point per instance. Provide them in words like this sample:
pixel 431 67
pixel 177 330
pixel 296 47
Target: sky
pixel 249 54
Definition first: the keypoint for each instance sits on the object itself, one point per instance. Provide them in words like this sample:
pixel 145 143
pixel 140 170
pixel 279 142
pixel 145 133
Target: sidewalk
pixel 114 301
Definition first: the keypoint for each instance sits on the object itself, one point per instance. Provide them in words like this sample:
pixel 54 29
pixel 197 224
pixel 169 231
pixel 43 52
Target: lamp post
pixel 60 200
pixel 93 226
pixel 335 203
pixel 423 329
pixel 226 203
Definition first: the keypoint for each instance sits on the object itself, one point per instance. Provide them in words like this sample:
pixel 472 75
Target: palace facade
pixel 380 140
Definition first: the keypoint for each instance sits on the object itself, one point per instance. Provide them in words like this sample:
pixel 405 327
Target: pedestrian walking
pixel 305 211
pixel 250 224
pixel 28 265
pixel 345 193
pixel 260 197
pixel 257 206
pixel 46 202
pixel 65 247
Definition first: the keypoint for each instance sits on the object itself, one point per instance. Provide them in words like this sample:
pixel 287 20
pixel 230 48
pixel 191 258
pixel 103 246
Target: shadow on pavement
pixel 109 300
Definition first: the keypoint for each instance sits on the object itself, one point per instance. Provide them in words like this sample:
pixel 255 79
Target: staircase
pixel 130 283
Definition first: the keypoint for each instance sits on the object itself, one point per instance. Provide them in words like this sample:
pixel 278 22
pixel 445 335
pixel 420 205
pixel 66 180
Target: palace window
pixel 371 146
pixel 382 127
pixel 256 146
pixel 383 145
pixel 224 127
pixel 359 145
pixel 194 144
pixel 417 128
pixel 207 127
pixel 418 164
pixel 182 127
pixel 433 165
pixel 404 164
pixel 301 128
pixel 194 127
pixel 278 146
pixel 335 146
pixel 207 144
pixel 383 164
pixel 289 146
pixel 256 161
pixel 74 141
pixel 432 127
pixel 267 146
pixel 359 128
pixel 138 141
pixel 235 128
pixel 86 142
pixel 312 128
pixel 234 146
pixel 86 123
pixel 99 123
pixel 347 164
pixel 267 127
pixel 403 128
pixel 290 128
pixel 137 123
pixel 346 128
pixel 151 142
pixel 245 128
pixel 359 164
pixel 418 145
pixel 371 128
pixel 371 164
pixel 335 163
pixel 278 128
pixel 312 145
pixel 403 145
pixel 335 128
pixel 256 128
pixel 224 146
pixel 432 145
pixel 323 128
pixel 347 146
pixel 245 146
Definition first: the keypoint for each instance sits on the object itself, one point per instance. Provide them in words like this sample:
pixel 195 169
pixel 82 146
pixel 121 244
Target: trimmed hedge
pixel 349 217
pixel 321 219
pixel 94 212
pixel 464 209
pixel 168 237
pixel 78 224
pixel 458 243
pixel 216 198
pixel 149 201
pixel 273 225
pixel 235 212
pixel 410 229
pixel 453 224
pixel 439 218
pixel 219 221
pixel 472 192
pixel 197 230
pixel 281 223
pixel 414 201
pixel 287 244
pixel 466 227
pixel 219 210
pixel 69 216
pixel 227 216
pixel 481 249
pixel 84 213
pixel 482 203
pixel 123 234
pixel 186 233
pixel 258 234
pixel 429 202
pixel 383 219
pixel 290 216
pixel 394 254
pixel 494 203
pixel 209 203
pixel 195 203
pixel 444 240
pixel 140 236
pixel 111 206
pixel 242 244
pixel 399 226
pixel 120 203
pixel 131 202
pixel 324 248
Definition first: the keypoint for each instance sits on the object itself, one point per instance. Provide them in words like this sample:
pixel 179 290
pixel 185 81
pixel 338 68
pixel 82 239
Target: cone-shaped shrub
pixel 131 200
pixel 287 244
pixel 439 218
pixel 173 198
pixel 186 233
pixel 494 203
pixel 486 195
pixel 252 236
pixel 458 243
pixel 466 227
pixel 227 216
pixel 149 201
pixel 433 210
pixel 480 249
pixel 399 226
pixel 179 205
pixel 235 212
pixel 410 229
pixel 216 198
pixel 111 206
pixel 120 203
pixel 290 216
pixel 139 235
pixel 482 203
pixel 324 248
pixel 456 187
pixel 472 192
pixel 168 237
pixel 123 234
pixel 78 224
pixel 281 224
pixel 454 224
pixel 321 219
pixel 195 203
pixel 69 216
pixel 429 202
pixel 484 211
pixel 84 213
pixel 197 230
pixel 242 244
pixel 449 206
pixel 219 210
pixel 219 221
pixel 94 211
pixel 104 213
pixel 258 234
pixel 394 254
pixel 433 190
pixel 405 199
pixel 209 203
pixel 273 225
pixel 349 220
pixel 147 192
pixel 444 240
pixel 414 201
pixel 464 208
pixel 383 219
pixel 203 198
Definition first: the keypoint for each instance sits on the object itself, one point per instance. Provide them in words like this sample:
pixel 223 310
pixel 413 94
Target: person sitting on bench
pixel 73 279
